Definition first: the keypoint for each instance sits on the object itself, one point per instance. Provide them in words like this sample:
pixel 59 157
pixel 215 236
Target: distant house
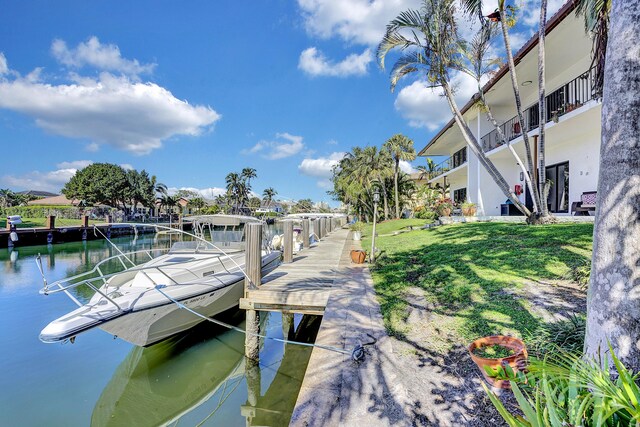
pixel 60 200
pixel 271 207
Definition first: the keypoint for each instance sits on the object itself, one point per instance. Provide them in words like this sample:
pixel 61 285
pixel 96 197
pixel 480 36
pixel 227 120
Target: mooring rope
pixel 357 354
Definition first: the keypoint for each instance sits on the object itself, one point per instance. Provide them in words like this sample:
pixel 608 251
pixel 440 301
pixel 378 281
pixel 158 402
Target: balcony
pixel 458 159
pixel 567 98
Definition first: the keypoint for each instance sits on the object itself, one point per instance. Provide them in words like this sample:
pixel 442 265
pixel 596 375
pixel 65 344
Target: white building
pixel 572 129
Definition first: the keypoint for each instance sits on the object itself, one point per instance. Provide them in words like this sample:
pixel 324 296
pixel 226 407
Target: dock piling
pixel 305 233
pixel 288 241
pixel 251 282
pixel 51 222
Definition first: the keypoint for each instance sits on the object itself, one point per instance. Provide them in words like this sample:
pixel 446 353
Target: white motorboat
pixel 137 302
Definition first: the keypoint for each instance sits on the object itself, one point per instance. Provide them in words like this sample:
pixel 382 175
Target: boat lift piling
pixel 252 282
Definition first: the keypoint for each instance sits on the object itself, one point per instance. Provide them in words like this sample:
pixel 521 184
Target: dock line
pixel 357 354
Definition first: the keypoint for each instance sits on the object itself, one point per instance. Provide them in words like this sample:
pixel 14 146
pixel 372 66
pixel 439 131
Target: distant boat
pixel 206 276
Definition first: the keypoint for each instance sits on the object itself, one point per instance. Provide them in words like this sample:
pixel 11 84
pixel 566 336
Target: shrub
pixel 443 205
pixel 564 335
pixel 356 226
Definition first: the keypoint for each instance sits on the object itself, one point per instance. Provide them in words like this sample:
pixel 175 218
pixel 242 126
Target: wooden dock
pixel 302 286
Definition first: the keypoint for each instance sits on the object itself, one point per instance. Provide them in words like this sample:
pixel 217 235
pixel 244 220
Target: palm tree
pixel 437 54
pixel 504 15
pixel 268 194
pixel 233 181
pixel 401 148
pixel 613 306
pixel 248 174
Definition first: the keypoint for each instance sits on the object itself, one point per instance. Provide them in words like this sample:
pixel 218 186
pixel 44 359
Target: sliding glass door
pixel 559 192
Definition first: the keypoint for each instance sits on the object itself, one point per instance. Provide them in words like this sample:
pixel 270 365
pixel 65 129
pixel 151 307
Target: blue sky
pixel 191 91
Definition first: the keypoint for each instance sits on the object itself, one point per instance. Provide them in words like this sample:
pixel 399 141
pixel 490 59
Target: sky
pixel 191 91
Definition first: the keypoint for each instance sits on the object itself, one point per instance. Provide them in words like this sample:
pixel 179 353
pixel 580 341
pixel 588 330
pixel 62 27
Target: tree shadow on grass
pixel 471 276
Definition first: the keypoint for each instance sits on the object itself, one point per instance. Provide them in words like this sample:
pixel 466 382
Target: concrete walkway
pixel 337 391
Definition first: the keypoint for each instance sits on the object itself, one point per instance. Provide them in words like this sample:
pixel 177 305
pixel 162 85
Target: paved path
pixel 337 391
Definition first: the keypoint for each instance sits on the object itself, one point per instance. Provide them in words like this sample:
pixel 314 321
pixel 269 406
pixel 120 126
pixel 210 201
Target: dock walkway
pixel 304 285
pixel 337 391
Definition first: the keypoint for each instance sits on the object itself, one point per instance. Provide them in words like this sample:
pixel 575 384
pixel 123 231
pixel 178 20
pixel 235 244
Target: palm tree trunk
pixel 472 142
pixel 516 94
pixel 613 306
pixel 506 142
pixel 395 185
pixel 542 173
pixel 386 202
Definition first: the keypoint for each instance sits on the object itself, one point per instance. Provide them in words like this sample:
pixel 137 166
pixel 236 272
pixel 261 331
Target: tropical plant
pixel 248 174
pixel 99 183
pixel 356 226
pixel 568 390
pixel 400 148
pixel 436 53
pixel 196 203
pixel 596 23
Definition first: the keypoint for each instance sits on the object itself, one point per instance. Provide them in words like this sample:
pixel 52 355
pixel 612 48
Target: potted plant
pixel 492 353
pixel 358 256
pixel 468 209
pixel 356 230
pixel 444 207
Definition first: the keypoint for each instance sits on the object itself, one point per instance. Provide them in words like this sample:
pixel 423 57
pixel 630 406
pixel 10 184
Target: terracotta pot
pixel 520 353
pixel 469 211
pixel 358 256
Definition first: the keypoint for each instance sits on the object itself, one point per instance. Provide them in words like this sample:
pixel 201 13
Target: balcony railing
pixel 567 98
pixel 458 159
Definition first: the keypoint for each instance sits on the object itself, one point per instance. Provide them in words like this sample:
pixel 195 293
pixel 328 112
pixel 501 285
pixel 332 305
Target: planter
pixel 357 235
pixel 358 256
pixel 518 347
pixel 445 212
pixel 469 211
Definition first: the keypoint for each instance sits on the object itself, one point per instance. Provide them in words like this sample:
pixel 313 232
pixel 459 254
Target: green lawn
pixel 41 222
pixel 468 270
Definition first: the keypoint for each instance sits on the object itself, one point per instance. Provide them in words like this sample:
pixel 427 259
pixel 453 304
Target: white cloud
pixel 354 21
pixel 128 115
pixel 105 57
pixel 406 167
pixel 325 184
pixel 530 13
pixel 314 63
pixel 425 107
pixel 332 142
pixel 4 68
pixel 76 164
pixel 322 166
pixel 274 150
pixel 51 181
pixel 126 166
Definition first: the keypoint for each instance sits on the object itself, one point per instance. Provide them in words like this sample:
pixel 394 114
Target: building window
pixel 459 157
pixel 460 195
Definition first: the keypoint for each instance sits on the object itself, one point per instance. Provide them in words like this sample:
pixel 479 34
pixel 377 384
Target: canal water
pixel 196 378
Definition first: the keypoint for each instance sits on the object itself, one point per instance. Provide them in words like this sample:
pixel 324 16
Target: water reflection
pixel 206 367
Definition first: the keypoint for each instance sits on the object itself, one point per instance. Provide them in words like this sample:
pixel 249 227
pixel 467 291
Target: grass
pixel 41 222
pixel 468 272
pixel 388 227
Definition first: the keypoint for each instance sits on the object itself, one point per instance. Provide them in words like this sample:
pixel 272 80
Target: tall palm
pixel 248 174
pixel 504 15
pixel 436 53
pixel 401 148
pixel 268 194
pixel 233 182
